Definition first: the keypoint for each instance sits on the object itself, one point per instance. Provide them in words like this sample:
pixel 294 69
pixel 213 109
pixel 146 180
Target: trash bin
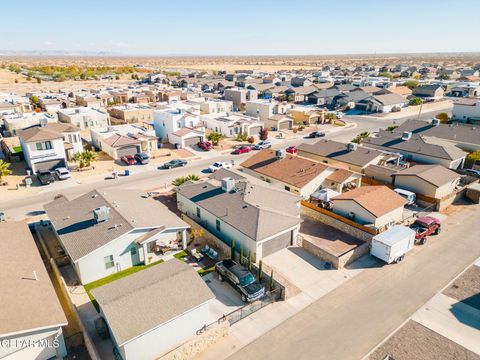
pixel 29 172
pixel 127 172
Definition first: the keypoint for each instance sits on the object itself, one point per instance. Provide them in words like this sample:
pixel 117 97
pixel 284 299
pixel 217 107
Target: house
pixel 48 146
pixel 350 99
pixel 131 113
pixel 417 148
pixel 106 232
pixel 215 106
pixel 179 126
pixel 186 137
pixel 18 121
pixel 264 109
pixel 350 156
pixel 279 122
pixel 467 110
pixel 298 175
pixel 376 206
pixel 90 100
pixel 428 91
pixel 11 103
pixel 307 115
pixel 31 315
pixel 50 104
pixel 323 97
pixel 382 103
pixel 232 124
pixel 239 97
pixel 300 81
pixel 434 181
pixel 121 140
pixel 400 90
pixel 261 220
pixel 84 117
pixel 155 310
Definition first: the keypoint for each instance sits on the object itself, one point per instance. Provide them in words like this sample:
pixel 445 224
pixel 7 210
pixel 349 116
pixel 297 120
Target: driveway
pixel 227 299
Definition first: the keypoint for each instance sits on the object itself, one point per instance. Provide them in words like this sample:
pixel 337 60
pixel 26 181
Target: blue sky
pixel 241 27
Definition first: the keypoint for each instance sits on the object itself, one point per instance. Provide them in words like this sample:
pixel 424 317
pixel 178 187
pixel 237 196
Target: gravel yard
pixel 467 287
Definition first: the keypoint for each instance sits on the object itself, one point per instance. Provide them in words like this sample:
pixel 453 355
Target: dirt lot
pixel 467 287
pixel 416 342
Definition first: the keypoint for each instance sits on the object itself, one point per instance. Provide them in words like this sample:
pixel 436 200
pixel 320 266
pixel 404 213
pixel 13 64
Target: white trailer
pixel 392 245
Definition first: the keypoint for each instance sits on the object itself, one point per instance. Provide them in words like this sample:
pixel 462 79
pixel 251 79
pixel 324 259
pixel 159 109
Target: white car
pixel 63 173
pixel 220 165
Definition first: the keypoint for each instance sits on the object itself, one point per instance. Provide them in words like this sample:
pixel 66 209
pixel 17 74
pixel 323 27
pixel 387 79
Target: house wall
pixel 85 119
pixel 465 112
pixel 260 110
pixel 420 186
pixel 344 207
pixel 168 336
pixel 32 155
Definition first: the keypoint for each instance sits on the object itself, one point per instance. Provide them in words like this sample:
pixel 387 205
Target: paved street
pixel 351 320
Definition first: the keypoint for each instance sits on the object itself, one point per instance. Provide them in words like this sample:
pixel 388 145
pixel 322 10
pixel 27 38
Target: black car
pixel 174 163
pixel 316 134
pixel 142 158
pixel 45 177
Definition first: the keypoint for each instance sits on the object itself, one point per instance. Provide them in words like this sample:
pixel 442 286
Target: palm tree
pixel 4 169
pixel 77 158
pixel 183 179
pixel 88 157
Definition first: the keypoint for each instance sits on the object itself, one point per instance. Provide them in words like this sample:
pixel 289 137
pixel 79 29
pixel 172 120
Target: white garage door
pixel 255 130
pixel 127 150
pixel 192 141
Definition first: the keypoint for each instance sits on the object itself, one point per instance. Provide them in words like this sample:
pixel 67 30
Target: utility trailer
pixel 392 245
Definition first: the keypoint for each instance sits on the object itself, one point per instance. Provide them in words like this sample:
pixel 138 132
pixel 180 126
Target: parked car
pixel 220 165
pixel 142 158
pixel 392 245
pixel 205 145
pixel 45 177
pixel 242 150
pixel 174 163
pixel 471 172
pixel 291 149
pixel 316 134
pixel 411 197
pixel 424 226
pixel 128 159
pixel 264 144
pixel 62 173
pixel 241 279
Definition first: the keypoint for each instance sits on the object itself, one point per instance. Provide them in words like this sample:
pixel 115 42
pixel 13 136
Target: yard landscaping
pixel 183 255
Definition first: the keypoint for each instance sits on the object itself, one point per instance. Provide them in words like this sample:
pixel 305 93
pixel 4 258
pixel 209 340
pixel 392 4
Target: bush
pixel 359 138
pixel 251 139
pixel 410 84
pixel 263 134
pixel 415 101
pixel 472 158
pixel 295 130
pixel 242 137
pixel 443 117
pixel 391 127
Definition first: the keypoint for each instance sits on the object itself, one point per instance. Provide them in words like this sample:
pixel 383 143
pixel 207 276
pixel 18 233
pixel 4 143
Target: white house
pixel 215 106
pixel 382 103
pixel 18 121
pixel 31 315
pixel 466 110
pixel 84 117
pixel 173 120
pixel 105 232
pixel 265 109
pixel 231 124
pixel 155 310
pixel 49 146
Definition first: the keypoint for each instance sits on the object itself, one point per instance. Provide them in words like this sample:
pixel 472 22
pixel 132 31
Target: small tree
pixel 183 179
pixel 263 134
pixel 88 157
pixel 242 136
pixel 472 158
pixel 249 264
pixel 443 117
pixel 77 158
pixel 411 84
pixel 4 169
pixel 117 77
pixel 271 285
pixel 415 101
pixel 260 270
pixel 391 127
pixel 232 249
pixel 214 137
pixel 39 81
pixel 34 99
pixel 196 232
pixel 359 138
pixel 241 255
pixel 251 139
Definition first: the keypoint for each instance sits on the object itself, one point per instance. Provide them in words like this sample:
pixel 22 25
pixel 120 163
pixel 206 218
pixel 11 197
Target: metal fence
pixel 249 309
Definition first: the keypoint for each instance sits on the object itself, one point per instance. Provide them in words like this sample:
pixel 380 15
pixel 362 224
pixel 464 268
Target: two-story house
pixel 84 117
pixel 232 124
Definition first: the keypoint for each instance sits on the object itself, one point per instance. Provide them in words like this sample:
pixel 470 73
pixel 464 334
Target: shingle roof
pixel 80 235
pixel 118 140
pixel 390 99
pixel 378 200
pixel 26 303
pixel 50 131
pixel 434 174
pixel 147 299
pixel 340 175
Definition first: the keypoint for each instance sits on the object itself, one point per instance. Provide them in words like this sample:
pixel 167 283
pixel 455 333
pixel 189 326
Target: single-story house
pixel 382 103
pixel 279 122
pixel 186 137
pixel 428 91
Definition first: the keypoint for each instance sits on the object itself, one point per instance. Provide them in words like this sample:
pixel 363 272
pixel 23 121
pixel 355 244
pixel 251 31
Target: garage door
pixel 280 242
pixel 49 165
pixel 285 125
pixel 255 130
pixel 128 150
pixel 192 141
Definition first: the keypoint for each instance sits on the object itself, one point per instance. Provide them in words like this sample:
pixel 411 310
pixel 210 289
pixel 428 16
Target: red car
pixel 425 225
pixel 291 149
pixel 128 159
pixel 205 145
pixel 242 150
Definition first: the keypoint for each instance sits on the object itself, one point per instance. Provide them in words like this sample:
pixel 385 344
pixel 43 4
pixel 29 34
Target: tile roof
pixel 118 140
pixel 26 303
pixel 378 200
pixel 149 298
pixel 340 175
pixel 434 174
pixel 50 131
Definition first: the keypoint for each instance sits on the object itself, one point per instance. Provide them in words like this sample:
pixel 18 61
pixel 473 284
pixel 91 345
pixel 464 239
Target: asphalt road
pixel 351 320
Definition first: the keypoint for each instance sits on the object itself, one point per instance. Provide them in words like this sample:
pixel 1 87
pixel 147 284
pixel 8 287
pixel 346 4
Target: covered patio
pixel 158 243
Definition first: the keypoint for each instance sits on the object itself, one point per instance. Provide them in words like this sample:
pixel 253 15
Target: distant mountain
pixel 57 53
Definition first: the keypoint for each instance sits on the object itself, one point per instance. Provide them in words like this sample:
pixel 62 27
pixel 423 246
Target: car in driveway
pixel 316 134
pixel 128 160
pixel 142 158
pixel 45 177
pixel 264 144
pixel 242 150
pixel 174 164
pixel 220 165
pixel 291 149
pixel 205 145
pixel 424 226
pixel 62 173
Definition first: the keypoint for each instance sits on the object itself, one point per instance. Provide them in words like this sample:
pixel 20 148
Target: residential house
pixel 323 97
pixel 400 90
pixel 429 91
pixel 106 232
pixel 375 206
pixel 382 103
pixel 84 117
pixel 215 106
pixel 305 115
pixel 300 81
pixel 48 146
pixel 130 113
pixel 467 110
pixel 261 220
pixel 155 310
pixel 31 315
pixel 349 100
pixel 232 124
pixel 239 97
pixel 89 100
pixel 298 175
pixel 18 121
pixel 265 109
pixel 11 102
pixel 279 122
pixel 50 104
pixel 179 126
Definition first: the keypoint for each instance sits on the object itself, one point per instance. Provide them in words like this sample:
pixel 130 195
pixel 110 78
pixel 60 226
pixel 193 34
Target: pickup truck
pixel 45 177
pixel 241 279
pixel 424 226
pixel 220 165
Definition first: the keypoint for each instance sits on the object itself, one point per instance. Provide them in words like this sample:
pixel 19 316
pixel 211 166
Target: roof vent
pixel 228 184
pixel 351 146
pixel 101 214
pixel 407 135
pixel 280 154
pixel 435 122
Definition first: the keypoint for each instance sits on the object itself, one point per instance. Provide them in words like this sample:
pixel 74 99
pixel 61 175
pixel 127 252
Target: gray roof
pixel 338 151
pixel 416 144
pixel 26 303
pixel 147 299
pixel 80 235
pixel 254 210
pixel 390 99
pixel 436 175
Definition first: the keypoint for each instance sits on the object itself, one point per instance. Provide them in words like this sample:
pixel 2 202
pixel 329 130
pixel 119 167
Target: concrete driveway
pixel 227 299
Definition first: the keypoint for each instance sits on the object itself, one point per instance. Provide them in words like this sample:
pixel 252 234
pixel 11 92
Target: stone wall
pixel 194 347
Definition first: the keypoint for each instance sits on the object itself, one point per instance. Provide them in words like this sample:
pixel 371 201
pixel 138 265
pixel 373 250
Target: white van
pixel 408 195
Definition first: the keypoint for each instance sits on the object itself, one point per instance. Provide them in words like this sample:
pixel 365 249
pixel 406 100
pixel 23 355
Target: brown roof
pixel 436 175
pixel 340 175
pixel 50 131
pixel 182 132
pixel 292 170
pixel 378 200
pixel 118 140
pixel 400 90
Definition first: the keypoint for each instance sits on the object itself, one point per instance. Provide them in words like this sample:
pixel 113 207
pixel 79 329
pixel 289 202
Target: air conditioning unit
pixel 435 122
pixel 407 135
pixel 228 184
pixel 351 146
pixel 101 214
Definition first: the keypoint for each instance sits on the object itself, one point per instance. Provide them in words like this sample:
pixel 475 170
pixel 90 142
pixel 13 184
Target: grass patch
pixel 206 270
pixel 182 255
pixel 17 149
pixel 118 275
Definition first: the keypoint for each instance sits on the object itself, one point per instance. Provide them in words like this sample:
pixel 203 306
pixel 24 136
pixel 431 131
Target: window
pixel 48 145
pixel 287 188
pixel 70 138
pixel 133 251
pixel 108 261
pixel 217 224
pixel 198 213
pixel 39 146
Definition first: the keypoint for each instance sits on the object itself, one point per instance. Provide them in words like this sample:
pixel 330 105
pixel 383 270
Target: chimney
pixel 101 214
pixel 407 135
pixel 228 184
pixel 280 154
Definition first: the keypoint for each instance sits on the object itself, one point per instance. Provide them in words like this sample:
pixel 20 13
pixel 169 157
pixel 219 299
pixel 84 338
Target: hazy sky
pixel 241 27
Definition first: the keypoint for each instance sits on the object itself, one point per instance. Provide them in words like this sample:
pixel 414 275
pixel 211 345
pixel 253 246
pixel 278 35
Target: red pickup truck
pixel 424 226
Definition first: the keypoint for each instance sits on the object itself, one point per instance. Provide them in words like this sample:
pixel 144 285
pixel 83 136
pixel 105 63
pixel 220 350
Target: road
pixel 351 320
